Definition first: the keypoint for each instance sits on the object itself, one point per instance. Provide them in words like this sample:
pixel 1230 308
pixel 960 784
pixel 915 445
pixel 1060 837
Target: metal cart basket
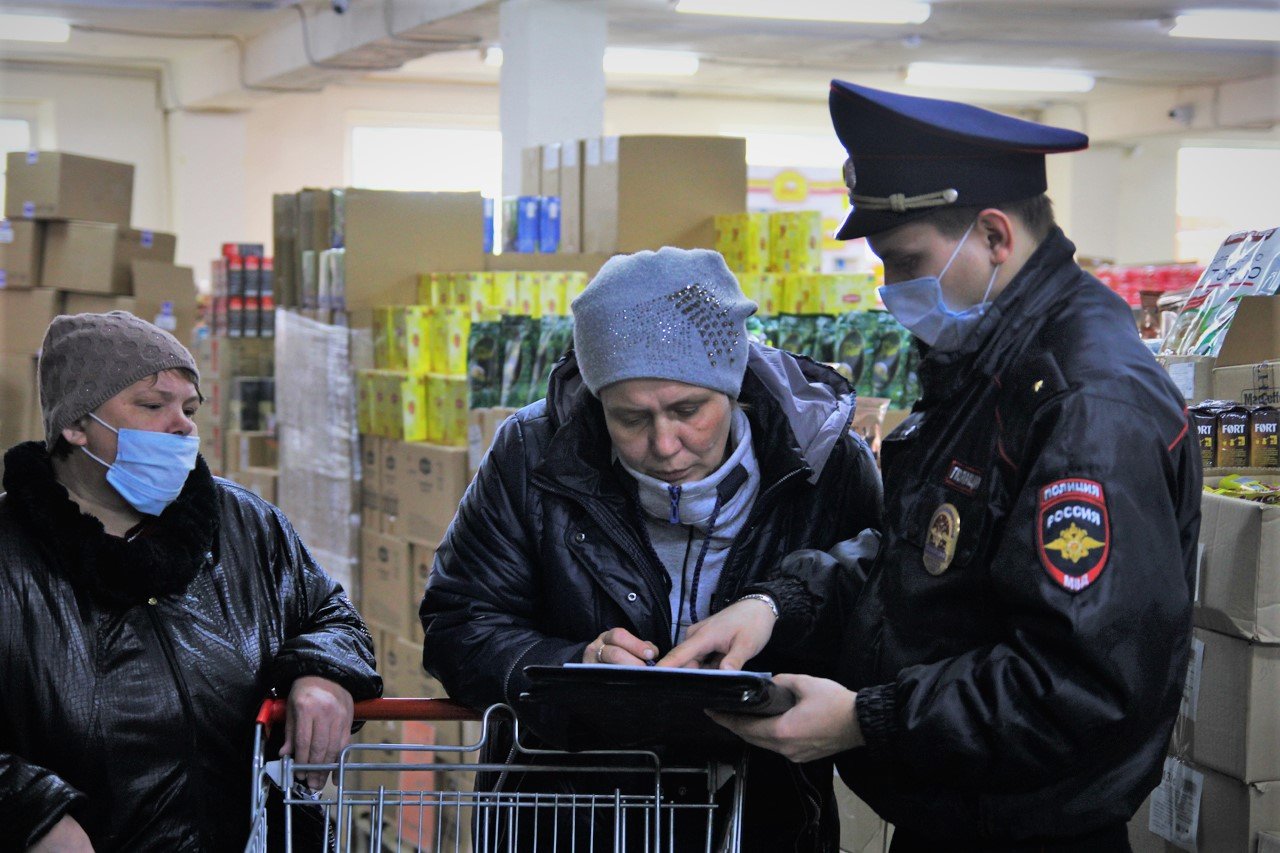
pixel 422 796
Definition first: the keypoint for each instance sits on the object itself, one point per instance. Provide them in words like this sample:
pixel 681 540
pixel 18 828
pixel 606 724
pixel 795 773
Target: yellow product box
pixel 844 292
pixel 380 416
pixel 771 294
pixel 800 294
pixel 478 287
pixel 417 338
pixel 727 244
pixel 743 239
pixel 450 412
pixel 575 283
pixel 450 334
pixel 529 294
pixel 382 337
pixel 505 297
pixel 364 402
pixel 552 295
pixel 400 322
pixel 434 288
pixel 409 404
pixel 795 241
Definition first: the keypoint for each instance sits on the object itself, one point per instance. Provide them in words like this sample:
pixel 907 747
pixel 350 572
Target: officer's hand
pixel 66 836
pixel 726 640
pixel 317 726
pixel 619 646
pixel 821 723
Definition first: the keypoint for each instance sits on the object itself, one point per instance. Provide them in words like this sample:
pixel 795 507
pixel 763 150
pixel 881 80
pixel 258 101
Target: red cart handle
pixel 273 710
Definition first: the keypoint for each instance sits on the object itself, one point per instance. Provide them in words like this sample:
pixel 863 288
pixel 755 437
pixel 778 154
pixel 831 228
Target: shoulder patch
pixel 1073 532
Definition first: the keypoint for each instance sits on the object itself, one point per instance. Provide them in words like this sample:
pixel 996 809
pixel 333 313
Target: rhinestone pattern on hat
pixel 662 325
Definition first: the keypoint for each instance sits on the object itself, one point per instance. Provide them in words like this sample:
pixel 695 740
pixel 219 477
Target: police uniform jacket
pixel 1019 645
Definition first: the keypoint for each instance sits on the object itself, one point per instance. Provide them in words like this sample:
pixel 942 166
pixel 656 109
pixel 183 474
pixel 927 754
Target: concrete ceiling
pixel 1124 43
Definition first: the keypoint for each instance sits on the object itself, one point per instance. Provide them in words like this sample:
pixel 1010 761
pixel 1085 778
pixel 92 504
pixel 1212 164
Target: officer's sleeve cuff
pixel 877 710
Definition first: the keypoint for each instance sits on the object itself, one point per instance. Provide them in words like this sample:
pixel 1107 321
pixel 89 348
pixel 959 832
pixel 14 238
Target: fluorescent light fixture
pixel 626 60
pixel 33 28
pixel 1244 24
pixel 1008 78
pixel 839 11
pixel 664 63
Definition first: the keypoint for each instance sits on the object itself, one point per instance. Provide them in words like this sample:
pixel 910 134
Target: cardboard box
pixel 384 577
pixel 1251 384
pixel 394 237
pixel 371 483
pixel 571 196
pixel 422 558
pixel 690 179
pixel 252 449
pixel 861 829
pixel 56 185
pixel 25 315
pixel 390 474
pixel 406 676
pixel 1230 721
pixel 531 171
pixel 1238 588
pixel 80 256
pixel 261 481
pixel 1229 814
pixel 1193 374
pixel 134 245
pixel 559 262
pixel 1269 842
pixel 157 282
pixel 429 487
pixel 1141 838
pixel 20 416
pixel 21 246
pixel 95 303
pixel 549 180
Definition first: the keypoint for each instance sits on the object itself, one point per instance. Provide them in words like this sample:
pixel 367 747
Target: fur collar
pixel 161 561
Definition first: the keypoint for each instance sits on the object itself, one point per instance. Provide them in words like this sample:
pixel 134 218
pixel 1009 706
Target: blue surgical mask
pixel 150 468
pixel 919 305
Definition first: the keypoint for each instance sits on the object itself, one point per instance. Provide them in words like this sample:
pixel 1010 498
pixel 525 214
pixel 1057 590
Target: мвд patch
pixel 1073 532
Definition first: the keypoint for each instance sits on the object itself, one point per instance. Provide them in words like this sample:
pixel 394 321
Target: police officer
pixel 1011 663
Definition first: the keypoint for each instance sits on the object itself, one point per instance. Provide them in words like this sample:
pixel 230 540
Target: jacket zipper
pixel 188 712
pixel 732 571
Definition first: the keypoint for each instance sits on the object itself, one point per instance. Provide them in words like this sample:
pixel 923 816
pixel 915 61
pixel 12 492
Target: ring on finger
pixel 600 653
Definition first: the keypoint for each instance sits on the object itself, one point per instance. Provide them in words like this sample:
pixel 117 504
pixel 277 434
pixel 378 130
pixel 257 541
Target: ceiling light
pixel 33 28
pixel 626 60
pixel 1007 78
pixel 841 11
pixel 1245 24
pixel 666 63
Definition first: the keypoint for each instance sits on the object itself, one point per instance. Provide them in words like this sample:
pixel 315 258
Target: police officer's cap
pixel 910 156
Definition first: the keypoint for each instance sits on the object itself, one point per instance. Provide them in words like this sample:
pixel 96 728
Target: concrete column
pixel 552 84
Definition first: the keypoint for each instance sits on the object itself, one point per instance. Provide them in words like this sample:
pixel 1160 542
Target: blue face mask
pixel 150 468
pixel 918 304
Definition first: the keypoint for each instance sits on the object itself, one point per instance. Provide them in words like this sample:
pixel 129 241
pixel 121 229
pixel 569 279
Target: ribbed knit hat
pixel 671 314
pixel 87 359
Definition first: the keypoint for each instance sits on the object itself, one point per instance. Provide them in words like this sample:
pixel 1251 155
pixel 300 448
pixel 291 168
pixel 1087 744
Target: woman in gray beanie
pixel 146 609
pixel 671 468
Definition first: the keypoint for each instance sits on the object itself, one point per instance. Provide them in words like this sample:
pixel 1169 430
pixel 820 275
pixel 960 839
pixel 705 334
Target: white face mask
pixel 919 305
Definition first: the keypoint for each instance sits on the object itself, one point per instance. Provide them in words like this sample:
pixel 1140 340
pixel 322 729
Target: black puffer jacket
pixel 548 550
pixel 131 671
pixel 1020 645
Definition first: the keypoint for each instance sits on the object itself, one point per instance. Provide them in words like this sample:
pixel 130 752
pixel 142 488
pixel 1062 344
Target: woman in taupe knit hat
pixel 146 608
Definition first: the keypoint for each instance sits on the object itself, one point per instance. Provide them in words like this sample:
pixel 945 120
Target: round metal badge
pixel 941 538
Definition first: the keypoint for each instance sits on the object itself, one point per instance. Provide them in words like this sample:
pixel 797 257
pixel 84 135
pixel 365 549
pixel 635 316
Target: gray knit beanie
pixel 87 359
pixel 671 314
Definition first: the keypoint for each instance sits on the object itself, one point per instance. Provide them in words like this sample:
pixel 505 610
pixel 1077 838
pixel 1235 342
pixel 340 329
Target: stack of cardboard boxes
pixel 236 422
pixel 1221 786
pixel 67 247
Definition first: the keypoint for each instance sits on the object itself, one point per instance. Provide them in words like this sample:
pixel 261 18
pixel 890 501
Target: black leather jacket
pixel 1029 688
pixel 131 671
pixel 548 550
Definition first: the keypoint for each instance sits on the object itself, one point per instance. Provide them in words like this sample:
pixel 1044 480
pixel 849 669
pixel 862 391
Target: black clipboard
pixel 639 706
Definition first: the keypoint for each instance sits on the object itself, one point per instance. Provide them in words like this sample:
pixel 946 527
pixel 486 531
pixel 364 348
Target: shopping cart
pixel 654 808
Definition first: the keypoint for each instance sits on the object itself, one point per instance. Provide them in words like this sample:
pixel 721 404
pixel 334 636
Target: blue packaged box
pixel 488 225
pixel 549 224
pixel 520 224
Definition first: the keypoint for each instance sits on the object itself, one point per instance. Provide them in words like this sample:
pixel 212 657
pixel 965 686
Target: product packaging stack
pixel 67 246
pixel 1221 784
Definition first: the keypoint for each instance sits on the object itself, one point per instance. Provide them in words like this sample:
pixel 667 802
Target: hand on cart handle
pixel 274 710
pixel 66 836
pixel 620 647
pixel 317 726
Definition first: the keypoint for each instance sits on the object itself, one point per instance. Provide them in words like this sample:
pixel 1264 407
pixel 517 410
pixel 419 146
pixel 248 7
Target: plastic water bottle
pixel 165 319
